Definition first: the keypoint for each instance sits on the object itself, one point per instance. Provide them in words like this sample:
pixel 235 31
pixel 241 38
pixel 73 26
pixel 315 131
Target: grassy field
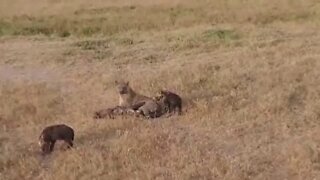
pixel 248 72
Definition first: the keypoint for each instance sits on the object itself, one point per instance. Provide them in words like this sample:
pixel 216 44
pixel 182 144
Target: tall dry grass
pixel 246 70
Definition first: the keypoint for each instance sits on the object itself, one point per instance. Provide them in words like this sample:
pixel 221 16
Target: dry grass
pixel 248 72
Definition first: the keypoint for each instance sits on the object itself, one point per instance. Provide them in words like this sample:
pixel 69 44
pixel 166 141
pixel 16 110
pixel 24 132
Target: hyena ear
pixel 127 83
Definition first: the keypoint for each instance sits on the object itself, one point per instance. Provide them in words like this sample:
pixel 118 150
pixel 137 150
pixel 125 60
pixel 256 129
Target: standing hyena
pixel 142 104
pixel 51 134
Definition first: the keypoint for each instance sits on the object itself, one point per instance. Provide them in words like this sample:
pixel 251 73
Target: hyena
pixel 171 101
pixel 51 134
pixel 128 97
pixel 150 109
pixel 112 112
pixel 143 105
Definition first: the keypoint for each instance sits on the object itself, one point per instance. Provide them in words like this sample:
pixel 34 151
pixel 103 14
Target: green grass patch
pixel 113 20
pixel 105 21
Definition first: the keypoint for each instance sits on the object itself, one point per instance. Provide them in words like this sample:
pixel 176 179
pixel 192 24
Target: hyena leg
pixel 171 110
pixel 45 148
pixel 179 109
pixel 70 143
pixel 51 146
pixel 111 116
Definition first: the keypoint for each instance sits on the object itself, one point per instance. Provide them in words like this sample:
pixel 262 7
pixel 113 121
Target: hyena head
pixel 41 140
pixel 123 87
pixel 160 96
pixel 164 92
pixel 45 146
pixel 162 100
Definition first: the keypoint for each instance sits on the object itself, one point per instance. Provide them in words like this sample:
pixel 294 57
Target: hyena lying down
pixel 148 109
pixel 51 134
pixel 112 112
pixel 128 97
pixel 165 102
pixel 140 104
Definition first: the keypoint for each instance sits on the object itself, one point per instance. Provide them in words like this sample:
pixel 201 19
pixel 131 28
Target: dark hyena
pixel 51 134
pixel 171 101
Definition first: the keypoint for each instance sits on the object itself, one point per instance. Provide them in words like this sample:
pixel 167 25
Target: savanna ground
pixel 248 72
